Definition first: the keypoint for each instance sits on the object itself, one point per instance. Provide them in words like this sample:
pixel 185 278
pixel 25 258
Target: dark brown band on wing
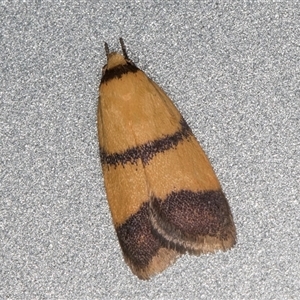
pixel 187 216
pixel 148 150
pixel 118 72
pixel 182 217
pixel 138 243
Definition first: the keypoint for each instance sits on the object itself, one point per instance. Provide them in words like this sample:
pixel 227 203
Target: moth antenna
pixel 106 49
pixel 123 49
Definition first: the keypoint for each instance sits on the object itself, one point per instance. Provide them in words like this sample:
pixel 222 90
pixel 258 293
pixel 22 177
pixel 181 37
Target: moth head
pixel 115 59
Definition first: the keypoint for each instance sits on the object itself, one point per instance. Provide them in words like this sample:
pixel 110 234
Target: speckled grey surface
pixel 232 68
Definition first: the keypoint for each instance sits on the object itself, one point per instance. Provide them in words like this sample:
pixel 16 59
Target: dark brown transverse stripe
pixel 192 213
pixel 148 150
pixel 118 72
pixel 138 243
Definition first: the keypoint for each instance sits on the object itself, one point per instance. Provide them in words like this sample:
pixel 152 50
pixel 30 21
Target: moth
pixel 163 194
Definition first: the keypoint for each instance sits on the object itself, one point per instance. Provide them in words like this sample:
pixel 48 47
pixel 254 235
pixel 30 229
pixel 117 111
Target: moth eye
pixel 104 69
pixel 129 61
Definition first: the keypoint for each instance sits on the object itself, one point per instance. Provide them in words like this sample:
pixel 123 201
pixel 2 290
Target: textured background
pixel 233 70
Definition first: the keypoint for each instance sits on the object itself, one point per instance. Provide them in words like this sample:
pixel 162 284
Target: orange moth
pixel 164 197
